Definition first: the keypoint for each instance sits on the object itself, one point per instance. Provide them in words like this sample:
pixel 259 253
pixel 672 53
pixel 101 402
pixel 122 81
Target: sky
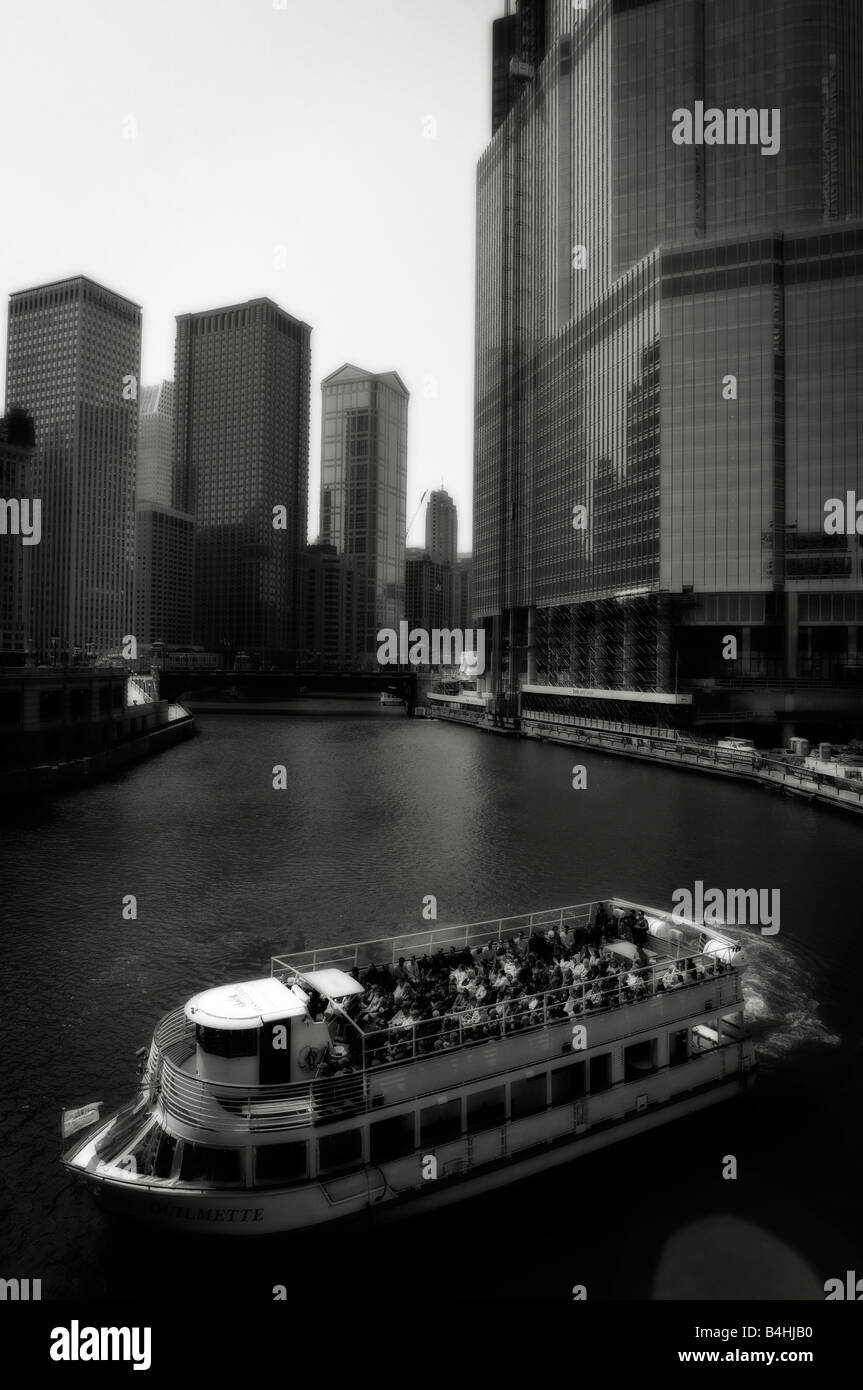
pixel 191 154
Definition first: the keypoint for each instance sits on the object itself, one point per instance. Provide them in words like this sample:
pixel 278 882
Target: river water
pixel 379 812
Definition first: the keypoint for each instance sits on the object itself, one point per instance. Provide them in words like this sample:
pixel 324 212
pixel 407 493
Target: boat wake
pixel 781 1010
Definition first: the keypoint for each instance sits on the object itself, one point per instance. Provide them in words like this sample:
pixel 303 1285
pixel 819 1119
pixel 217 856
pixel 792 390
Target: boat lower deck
pixel 396 1186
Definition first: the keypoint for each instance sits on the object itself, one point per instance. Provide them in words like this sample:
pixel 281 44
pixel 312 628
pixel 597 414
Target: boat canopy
pixel 331 983
pixel 246 1005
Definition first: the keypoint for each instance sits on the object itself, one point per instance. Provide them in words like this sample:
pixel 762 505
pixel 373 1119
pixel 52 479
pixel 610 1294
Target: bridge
pixel 262 686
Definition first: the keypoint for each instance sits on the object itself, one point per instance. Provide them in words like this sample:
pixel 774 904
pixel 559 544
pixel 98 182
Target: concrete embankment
pixel 774 776
pixel 66 774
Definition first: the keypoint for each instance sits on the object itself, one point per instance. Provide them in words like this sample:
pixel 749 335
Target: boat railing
pixel 383 950
pixel 501 1018
pixel 229 1108
pixel 232 1108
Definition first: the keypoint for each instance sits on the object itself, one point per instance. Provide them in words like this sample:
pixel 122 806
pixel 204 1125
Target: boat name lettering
pixel 211 1213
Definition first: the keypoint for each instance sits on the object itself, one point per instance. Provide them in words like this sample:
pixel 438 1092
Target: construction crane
pixel 416 513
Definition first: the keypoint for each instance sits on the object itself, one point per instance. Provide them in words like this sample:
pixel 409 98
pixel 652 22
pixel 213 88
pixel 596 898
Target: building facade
pixel 462 592
pixel 164 537
pixel 241 440
pixel 364 434
pixel 331 590
pixel 669 350
pixel 164 559
pixel 73 364
pixel 154 481
pixel 17 437
pixel 428 591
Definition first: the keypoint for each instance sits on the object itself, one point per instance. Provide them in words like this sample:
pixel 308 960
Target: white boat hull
pixel 271 1211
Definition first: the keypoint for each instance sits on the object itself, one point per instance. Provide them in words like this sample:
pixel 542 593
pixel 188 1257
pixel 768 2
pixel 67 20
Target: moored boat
pixel 420 1069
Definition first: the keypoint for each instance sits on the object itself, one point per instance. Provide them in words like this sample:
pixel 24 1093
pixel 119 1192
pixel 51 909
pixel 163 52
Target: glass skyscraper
pixel 364 444
pixel 669 345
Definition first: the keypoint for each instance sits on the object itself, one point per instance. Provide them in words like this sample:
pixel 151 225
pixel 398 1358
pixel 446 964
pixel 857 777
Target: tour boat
pixel 277 1103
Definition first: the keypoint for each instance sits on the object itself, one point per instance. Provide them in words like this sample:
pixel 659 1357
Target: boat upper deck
pixel 427 991
pixel 538 971
pixel 672 939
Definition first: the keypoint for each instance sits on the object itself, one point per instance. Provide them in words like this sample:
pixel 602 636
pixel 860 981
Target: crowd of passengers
pixel 502 985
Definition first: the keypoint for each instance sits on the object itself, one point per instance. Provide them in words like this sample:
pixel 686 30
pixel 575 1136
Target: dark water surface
pixel 380 811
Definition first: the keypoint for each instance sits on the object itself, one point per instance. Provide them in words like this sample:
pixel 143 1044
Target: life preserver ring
pixel 309 1058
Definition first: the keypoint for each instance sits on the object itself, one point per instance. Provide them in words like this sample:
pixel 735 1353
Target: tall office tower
pixel 331 587
pixel 164 536
pixel 155 476
pixel 241 387
pixel 73 363
pixel 364 445
pixel 669 348
pixel 441 528
pixel 16 452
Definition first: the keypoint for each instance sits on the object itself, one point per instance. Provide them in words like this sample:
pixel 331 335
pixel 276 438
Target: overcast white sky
pixel 260 128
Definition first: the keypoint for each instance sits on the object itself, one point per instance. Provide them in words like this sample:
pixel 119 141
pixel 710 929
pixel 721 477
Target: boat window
pixel 340 1150
pixel 704 1039
pixel 527 1096
pixel 485 1109
pixel 678 1047
pixel 568 1083
pixel 600 1073
pixel 130 1123
pixel 732 1026
pixel 227 1042
pixel 392 1138
pixel 639 1059
pixel 277 1163
pixel 439 1123
pixel 154 1155
pixel 198 1163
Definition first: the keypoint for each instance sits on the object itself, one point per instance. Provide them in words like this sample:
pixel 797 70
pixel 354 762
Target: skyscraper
pixel 155 476
pixel 364 437
pixel 441 528
pixel 73 363
pixel 669 344
pixel 242 384
pixel 164 536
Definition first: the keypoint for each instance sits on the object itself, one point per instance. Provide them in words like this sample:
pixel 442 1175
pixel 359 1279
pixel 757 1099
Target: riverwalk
pixel 788 780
